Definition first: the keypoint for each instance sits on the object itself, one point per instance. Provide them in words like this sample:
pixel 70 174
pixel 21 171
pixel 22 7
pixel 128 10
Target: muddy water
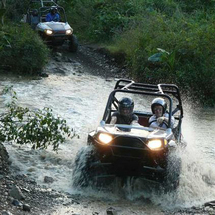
pixel 80 98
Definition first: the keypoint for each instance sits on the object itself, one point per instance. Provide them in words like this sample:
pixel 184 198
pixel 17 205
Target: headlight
pixel 155 144
pixel 48 32
pixel 68 32
pixel 105 138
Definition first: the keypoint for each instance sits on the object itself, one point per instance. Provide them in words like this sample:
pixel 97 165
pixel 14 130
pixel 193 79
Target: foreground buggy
pixel 133 150
pixel 56 32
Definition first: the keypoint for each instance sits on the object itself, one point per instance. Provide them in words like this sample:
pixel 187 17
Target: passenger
pixel 53 15
pixel 34 18
pixel 125 114
pixel 160 117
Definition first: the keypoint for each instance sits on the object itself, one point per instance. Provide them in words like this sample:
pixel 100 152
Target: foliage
pixel 99 20
pixel 190 61
pixel 20 42
pixel 179 33
pixel 139 29
pixel 191 6
pixel 79 14
pixel 40 128
pixel 16 8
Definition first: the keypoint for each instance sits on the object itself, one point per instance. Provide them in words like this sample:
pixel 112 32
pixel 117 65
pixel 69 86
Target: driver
pixel 125 114
pixel 160 117
pixel 53 15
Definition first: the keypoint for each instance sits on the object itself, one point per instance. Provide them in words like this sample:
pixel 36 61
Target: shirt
pixel 125 119
pixel 55 17
pixel 154 124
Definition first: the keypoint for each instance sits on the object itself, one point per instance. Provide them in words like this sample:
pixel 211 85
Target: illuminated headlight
pixel 155 144
pixel 105 138
pixel 68 32
pixel 49 32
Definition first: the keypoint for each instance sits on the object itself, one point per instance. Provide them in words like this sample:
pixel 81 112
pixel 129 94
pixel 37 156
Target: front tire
pixel 73 44
pixel 172 176
pixel 86 168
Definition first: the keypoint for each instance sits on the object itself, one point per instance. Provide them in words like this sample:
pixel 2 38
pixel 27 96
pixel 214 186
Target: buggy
pixel 54 33
pixel 133 150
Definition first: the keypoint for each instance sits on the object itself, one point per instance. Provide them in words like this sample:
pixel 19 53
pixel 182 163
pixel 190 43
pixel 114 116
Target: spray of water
pixel 72 97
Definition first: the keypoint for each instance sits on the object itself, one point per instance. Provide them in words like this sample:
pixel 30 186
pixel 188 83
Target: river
pixel 80 98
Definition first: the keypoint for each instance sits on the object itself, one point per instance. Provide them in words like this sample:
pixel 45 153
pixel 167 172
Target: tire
pixel 73 44
pixel 86 168
pixel 172 176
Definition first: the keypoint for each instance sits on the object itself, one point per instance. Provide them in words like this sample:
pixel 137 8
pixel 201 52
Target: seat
pixel 144 121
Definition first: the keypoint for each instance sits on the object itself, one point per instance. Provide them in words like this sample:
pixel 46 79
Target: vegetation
pixel 168 41
pixel 40 128
pixel 22 51
pixel 18 41
pixel 162 40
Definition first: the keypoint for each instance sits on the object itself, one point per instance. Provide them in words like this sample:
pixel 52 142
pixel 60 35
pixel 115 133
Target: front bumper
pixel 129 169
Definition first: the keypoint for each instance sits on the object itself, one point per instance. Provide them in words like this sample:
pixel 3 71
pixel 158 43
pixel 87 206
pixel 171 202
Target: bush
pixel 173 50
pixel 97 20
pixel 16 8
pixel 20 42
pixel 40 128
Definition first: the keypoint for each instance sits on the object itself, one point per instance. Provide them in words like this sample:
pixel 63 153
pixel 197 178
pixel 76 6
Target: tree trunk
pixel 2 10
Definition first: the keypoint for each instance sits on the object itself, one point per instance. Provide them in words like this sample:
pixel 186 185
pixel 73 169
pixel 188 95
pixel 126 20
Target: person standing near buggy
pixel 160 117
pixel 53 15
pixel 125 114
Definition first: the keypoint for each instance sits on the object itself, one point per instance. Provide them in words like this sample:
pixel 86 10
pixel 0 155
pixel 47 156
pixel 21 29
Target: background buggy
pixel 53 33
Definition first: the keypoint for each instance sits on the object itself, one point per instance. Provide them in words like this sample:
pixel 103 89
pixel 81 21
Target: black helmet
pixel 35 12
pixel 159 101
pixel 126 106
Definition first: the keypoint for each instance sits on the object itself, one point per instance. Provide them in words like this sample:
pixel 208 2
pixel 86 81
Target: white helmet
pixel 159 101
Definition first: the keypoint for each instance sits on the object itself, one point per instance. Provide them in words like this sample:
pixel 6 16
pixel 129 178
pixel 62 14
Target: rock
pixel 209 209
pixel 4 159
pixel 26 207
pixel 111 211
pixel 16 193
pixel 25 190
pixel 15 202
pixel 211 203
pixel 59 70
pixel 58 54
pixel 48 179
pixel 44 75
pixel 6 213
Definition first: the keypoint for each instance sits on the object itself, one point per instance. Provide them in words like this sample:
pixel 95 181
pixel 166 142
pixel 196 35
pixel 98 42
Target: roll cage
pixel 166 91
pixel 43 7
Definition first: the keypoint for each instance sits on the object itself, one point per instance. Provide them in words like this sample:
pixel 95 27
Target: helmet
pixel 159 101
pixel 35 12
pixel 126 106
pixel 53 9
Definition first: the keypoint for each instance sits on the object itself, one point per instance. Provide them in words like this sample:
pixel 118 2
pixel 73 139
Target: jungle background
pixel 159 41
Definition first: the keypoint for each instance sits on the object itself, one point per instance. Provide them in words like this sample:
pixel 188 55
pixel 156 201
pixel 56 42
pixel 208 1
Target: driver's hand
pixel 160 120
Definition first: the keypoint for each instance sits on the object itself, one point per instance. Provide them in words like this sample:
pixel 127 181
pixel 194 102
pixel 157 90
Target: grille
pixel 128 147
pixel 60 32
